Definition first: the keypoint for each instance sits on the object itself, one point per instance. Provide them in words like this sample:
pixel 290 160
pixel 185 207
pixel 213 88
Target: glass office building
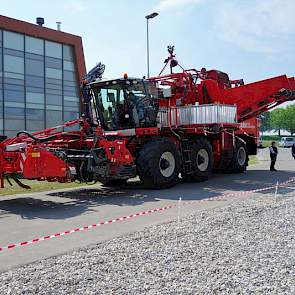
pixel 39 87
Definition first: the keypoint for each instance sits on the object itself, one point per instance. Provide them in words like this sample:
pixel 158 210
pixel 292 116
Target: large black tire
pixel 202 161
pixel 240 158
pixel 158 163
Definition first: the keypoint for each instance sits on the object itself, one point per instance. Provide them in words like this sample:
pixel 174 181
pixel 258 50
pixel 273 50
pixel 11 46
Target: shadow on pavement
pixel 31 208
pixel 66 204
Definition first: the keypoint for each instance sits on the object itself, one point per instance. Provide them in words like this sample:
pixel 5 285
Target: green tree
pixel 265 122
pixel 277 119
pixel 289 119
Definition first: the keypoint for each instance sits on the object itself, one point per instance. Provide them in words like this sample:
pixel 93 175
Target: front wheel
pixel 158 163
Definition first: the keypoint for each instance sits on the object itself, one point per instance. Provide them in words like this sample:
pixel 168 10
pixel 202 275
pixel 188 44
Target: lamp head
pixel 152 15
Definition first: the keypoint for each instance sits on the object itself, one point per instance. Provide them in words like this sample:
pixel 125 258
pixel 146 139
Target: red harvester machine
pixel 186 123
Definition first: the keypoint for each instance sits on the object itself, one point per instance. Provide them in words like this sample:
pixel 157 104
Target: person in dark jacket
pixel 273 151
pixel 293 150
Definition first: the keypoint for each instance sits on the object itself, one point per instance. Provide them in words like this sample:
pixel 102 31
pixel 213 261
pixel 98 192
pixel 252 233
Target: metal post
pixel 147 47
pixel 152 15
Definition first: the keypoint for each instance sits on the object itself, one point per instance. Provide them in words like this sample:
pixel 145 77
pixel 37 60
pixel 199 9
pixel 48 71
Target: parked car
pixel 287 142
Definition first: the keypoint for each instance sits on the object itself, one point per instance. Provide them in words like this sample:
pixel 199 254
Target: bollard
pixel 277 186
pixel 179 210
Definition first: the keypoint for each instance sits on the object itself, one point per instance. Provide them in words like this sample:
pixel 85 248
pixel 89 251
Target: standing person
pixel 273 150
pixel 293 150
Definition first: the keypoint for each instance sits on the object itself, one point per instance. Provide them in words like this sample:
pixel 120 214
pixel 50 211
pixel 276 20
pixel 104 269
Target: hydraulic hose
pixel 288 93
pixel 44 139
pixel 28 134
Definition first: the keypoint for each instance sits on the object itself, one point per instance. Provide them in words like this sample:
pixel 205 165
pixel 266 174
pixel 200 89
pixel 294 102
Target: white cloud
pixel 76 6
pixel 172 4
pixel 266 26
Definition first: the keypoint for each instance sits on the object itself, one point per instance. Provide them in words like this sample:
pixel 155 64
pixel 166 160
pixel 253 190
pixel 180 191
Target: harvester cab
pixel 124 103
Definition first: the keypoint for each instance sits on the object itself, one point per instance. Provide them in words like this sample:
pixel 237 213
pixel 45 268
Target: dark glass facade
pixel 38 83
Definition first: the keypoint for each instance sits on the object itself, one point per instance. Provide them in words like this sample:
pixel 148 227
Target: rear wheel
pixel 158 163
pixel 240 159
pixel 202 161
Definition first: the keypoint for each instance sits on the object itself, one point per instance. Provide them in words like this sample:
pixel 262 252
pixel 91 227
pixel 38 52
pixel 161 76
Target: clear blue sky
pixel 247 39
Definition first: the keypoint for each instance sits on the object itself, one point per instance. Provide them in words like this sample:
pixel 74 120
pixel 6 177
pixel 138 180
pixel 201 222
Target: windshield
pixel 124 104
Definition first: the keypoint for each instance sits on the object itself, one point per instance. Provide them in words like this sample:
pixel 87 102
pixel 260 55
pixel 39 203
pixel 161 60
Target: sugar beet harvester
pixel 185 123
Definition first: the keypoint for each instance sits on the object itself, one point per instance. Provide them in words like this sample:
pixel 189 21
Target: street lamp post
pixel 152 15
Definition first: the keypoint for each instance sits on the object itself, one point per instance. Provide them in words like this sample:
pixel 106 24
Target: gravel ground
pixel 244 248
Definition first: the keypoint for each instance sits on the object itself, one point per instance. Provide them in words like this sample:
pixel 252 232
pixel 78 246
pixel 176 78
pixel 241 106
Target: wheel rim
pixel 241 156
pixel 202 160
pixel 167 164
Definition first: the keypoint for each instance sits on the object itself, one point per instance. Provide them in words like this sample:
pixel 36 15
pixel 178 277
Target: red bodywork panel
pixel 251 99
pixel 43 164
pixel 250 128
pixel 116 151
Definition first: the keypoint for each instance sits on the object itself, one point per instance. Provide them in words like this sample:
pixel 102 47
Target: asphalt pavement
pixel 28 216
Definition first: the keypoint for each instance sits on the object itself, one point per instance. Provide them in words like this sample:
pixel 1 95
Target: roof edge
pixel 31 29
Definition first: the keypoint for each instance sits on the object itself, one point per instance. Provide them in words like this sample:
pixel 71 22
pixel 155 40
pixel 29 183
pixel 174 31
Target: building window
pixel 53 99
pixel 53 73
pixel 70 85
pixel 34 67
pixel 34 45
pixel 14 113
pixel 54 63
pixel 12 95
pixel 68 52
pixel 32 97
pixel 53 49
pixel 13 40
pixel 69 65
pixel 69 76
pixel 34 125
pixel 16 125
pixel 35 119
pixel 35 81
pixel 53 118
pixel 14 64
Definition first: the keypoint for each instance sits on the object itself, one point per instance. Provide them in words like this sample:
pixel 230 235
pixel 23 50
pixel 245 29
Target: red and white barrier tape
pixel 138 214
pixel 79 229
